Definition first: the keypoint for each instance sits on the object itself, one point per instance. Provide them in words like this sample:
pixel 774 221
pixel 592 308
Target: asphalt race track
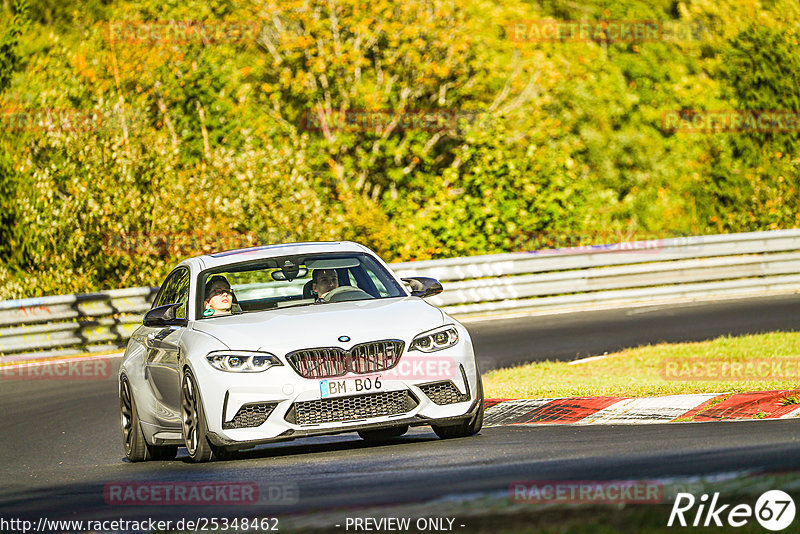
pixel 61 441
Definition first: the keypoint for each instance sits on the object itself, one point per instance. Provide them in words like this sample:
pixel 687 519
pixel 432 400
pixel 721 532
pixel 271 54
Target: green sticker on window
pixel 209 312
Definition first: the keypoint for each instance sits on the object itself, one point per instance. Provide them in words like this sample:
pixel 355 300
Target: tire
pixel 136 447
pixel 132 436
pixel 193 421
pixel 383 434
pixel 470 427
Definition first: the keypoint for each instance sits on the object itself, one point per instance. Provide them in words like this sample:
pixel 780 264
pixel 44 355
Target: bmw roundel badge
pixel 344 339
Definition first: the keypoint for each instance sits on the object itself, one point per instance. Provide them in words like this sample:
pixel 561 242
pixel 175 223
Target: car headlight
pixel 242 361
pixel 442 338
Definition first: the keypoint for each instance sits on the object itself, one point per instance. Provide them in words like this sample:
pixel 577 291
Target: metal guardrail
pixel 619 274
pixel 665 270
pixel 69 324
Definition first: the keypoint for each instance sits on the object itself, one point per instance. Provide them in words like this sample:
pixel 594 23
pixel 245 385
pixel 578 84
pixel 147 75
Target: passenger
pixel 219 297
pixel 324 281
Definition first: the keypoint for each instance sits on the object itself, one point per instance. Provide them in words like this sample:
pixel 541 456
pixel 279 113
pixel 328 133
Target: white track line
pixel 791 415
pixel 587 360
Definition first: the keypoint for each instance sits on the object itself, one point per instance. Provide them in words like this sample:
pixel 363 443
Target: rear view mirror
pixel 422 286
pixel 289 274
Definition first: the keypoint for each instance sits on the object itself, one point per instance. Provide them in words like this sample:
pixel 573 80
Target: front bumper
pixel 290 434
pixel 297 407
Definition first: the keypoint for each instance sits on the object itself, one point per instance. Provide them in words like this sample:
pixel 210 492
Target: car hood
pixel 288 329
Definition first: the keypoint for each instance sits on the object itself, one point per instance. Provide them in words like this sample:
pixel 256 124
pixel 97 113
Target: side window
pixel 375 280
pixel 170 288
pixel 360 279
pixel 182 294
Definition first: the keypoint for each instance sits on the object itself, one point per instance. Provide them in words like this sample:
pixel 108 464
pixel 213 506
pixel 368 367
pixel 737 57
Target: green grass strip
pixel 726 364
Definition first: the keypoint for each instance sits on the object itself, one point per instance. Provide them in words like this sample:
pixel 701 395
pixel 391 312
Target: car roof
pixel 228 257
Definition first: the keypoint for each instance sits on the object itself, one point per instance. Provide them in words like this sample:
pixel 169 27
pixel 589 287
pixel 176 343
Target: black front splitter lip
pixel 289 435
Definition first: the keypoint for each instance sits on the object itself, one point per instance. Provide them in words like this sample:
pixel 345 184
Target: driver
pixel 324 281
pixel 219 297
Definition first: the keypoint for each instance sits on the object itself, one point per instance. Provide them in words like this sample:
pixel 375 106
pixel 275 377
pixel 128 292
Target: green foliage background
pixel 119 156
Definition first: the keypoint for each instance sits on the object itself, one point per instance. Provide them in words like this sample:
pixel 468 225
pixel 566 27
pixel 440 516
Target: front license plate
pixel 350 386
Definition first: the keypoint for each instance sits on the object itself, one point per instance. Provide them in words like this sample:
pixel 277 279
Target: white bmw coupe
pixel 286 341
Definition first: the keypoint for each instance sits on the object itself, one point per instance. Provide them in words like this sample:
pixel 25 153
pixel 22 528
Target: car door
pixel 162 350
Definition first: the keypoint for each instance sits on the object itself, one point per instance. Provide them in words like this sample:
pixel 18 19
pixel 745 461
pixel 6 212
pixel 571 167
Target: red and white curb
pixel 642 410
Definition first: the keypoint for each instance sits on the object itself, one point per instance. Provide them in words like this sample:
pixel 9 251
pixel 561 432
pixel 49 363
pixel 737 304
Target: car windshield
pixel 289 281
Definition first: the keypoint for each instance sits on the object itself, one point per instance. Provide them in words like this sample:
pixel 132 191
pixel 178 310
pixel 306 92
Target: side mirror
pixel 164 316
pixel 422 286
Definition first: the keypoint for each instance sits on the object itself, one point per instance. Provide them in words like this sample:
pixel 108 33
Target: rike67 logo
pixel 774 510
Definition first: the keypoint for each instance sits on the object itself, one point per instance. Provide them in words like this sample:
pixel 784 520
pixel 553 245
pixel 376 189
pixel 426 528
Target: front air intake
pixel 443 393
pixel 250 415
pixel 339 409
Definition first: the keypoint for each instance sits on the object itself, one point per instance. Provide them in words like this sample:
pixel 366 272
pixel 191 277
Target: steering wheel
pixel 344 293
